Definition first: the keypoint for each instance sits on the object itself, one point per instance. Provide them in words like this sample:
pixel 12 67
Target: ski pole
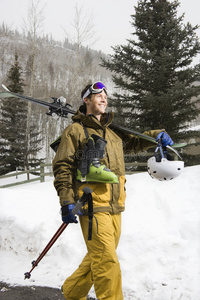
pixel 46 249
pixel 80 203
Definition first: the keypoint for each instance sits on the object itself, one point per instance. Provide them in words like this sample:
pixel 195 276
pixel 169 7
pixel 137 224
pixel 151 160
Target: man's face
pixel 97 104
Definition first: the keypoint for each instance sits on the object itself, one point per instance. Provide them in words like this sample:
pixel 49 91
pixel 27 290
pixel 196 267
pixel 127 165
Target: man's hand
pixel 67 215
pixel 164 139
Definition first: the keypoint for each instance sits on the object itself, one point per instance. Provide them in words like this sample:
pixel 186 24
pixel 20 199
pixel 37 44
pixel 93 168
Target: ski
pixel 148 138
pixel 60 107
pixel 143 136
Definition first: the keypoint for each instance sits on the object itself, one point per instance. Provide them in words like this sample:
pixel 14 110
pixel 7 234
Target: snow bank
pixel 159 250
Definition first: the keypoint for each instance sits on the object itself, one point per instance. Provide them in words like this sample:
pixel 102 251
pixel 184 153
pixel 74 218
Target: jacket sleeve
pixel 64 165
pixel 135 144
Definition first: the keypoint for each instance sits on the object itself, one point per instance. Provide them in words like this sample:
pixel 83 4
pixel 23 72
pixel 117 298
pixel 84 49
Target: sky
pixel 111 18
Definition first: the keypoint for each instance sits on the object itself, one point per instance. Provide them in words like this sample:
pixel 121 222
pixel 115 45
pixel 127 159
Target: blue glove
pixel 165 139
pixel 67 215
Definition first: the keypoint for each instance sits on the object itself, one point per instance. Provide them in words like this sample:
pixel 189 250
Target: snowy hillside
pixel 159 250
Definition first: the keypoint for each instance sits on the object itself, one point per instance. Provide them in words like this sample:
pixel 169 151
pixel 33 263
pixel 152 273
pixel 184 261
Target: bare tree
pixel 82 33
pixel 33 28
pixel 83 27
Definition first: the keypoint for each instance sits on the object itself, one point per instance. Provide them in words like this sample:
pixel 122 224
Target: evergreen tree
pixel 154 70
pixel 12 123
pixel 15 151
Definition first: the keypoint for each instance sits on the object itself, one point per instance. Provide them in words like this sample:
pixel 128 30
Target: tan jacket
pixel 106 197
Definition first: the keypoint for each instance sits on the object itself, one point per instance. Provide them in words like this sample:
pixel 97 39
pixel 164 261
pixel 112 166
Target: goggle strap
pixel 86 94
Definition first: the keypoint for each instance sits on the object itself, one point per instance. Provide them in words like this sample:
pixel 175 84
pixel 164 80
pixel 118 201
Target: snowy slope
pixel 159 250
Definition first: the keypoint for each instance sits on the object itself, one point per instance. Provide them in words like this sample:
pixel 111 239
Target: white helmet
pixel 163 169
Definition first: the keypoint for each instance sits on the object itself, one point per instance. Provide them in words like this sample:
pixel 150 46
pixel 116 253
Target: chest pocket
pixel 116 156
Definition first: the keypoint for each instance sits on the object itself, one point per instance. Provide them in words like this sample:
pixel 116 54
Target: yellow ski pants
pixel 100 266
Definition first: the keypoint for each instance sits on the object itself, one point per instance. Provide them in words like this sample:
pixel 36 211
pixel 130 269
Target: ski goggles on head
pixel 96 88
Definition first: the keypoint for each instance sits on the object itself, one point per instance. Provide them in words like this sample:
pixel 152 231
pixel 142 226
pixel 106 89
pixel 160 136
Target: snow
pixel 159 250
pixel 197 127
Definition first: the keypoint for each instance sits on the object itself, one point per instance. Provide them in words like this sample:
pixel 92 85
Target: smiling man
pixel 96 103
pixel 91 154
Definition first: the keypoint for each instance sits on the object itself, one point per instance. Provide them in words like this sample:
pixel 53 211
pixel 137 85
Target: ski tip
pixel 180 145
pixel 175 151
pixel 5 88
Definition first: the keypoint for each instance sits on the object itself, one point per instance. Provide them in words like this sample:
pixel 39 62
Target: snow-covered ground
pixel 159 250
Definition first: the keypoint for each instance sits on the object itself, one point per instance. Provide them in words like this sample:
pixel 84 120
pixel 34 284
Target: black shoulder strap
pixel 85 130
pixel 90 202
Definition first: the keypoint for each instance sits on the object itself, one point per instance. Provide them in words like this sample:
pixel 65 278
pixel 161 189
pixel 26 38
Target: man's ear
pixel 86 100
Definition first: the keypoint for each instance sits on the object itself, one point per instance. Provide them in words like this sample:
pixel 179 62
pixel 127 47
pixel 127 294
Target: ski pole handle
pixel 81 202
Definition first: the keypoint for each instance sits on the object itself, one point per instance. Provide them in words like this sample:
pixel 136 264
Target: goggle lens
pixel 98 86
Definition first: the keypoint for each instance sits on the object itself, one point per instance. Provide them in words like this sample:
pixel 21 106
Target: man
pixel 100 266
